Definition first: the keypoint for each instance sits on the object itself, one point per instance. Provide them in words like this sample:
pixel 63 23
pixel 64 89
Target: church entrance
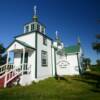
pixel 25 62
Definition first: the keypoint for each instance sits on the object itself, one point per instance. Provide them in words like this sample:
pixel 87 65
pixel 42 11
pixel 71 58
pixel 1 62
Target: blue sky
pixel 71 18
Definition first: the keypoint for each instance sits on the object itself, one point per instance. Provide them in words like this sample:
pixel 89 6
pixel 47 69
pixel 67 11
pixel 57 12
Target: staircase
pixel 10 73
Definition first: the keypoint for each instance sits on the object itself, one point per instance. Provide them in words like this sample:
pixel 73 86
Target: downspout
pixel 36 55
pixel 66 56
pixel 51 59
pixel 55 62
pixel 78 64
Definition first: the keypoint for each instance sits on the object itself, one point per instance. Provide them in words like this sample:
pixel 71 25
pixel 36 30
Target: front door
pixel 25 61
pixel 26 58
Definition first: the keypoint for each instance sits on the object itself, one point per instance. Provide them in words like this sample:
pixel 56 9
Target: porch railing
pixel 26 68
pixel 7 67
pixel 10 71
pixel 2 69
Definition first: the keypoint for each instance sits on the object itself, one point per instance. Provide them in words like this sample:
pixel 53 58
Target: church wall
pixel 31 61
pixel 71 66
pixel 72 59
pixel 43 71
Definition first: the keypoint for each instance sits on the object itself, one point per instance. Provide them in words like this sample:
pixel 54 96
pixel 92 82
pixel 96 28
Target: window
pixel 35 26
pixel 44 40
pixel 42 29
pixel 27 28
pixel 38 27
pixel 44 58
pixel 32 27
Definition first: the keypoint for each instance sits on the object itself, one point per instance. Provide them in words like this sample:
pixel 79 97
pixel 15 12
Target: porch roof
pixel 22 43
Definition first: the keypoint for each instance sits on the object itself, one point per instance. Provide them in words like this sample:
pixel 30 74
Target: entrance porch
pixel 23 59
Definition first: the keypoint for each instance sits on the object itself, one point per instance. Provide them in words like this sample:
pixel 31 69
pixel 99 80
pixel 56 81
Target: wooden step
pixel 2 82
pixel 9 76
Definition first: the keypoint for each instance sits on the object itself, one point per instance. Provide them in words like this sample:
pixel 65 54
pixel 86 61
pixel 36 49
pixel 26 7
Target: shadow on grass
pixel 61 78
pixel 92 79
pixel 86 81
pixel 95 85
pixel 95 90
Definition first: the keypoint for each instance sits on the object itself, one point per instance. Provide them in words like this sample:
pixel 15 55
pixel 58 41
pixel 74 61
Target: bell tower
pixel 34 25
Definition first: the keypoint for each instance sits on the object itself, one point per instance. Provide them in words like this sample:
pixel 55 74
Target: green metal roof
pixel 72 49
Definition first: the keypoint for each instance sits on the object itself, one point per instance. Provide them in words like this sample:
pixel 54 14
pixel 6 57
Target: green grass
pixel 69 88
pixel 95 68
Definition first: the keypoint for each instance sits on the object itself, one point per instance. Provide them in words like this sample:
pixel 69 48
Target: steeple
pixel 78 40
pixel 58 43
pixel 34 25
pixel 35 18
pixel 56 35
pixel 58 39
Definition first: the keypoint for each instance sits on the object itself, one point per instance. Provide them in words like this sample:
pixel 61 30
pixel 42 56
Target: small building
pixel 37 56
pixel 70 63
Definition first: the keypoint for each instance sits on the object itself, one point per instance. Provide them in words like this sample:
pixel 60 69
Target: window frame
pixel 45 55
pixel 42 30
pixel 38 27
pixel 44 40
pixel 27 28
pixel 32 27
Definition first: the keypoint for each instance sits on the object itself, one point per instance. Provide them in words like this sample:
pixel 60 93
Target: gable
pixel 16 44
pixel 29 39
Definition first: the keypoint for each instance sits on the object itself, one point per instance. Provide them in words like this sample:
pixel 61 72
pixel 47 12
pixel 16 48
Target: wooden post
pixel 7 62
pixel 23 60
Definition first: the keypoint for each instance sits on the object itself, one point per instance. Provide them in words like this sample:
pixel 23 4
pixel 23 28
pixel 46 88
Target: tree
pixel 2 55
pixel 86 63
pixel 98 62
pixel 98 36
pixel 96 46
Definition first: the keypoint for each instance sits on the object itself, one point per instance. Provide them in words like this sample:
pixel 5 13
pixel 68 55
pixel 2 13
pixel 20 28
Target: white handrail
pixel 26 67
pixel 11 71
pixel 14 73
pixel 5 67
pixel 2 68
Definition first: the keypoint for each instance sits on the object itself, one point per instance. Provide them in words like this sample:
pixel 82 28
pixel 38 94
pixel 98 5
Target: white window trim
pixel 46 58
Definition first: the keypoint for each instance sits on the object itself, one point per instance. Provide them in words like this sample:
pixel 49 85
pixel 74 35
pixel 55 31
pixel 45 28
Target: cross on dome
pixel 35 10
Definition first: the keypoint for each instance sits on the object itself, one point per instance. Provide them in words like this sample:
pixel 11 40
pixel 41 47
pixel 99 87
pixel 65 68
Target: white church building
pixel 37 56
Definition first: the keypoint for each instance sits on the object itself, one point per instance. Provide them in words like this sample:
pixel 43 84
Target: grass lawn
pixel 95 68
pixel 69 88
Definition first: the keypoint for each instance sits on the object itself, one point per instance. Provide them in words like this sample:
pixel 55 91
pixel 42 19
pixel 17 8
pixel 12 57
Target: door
pixel 25 61
pixel 26 58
